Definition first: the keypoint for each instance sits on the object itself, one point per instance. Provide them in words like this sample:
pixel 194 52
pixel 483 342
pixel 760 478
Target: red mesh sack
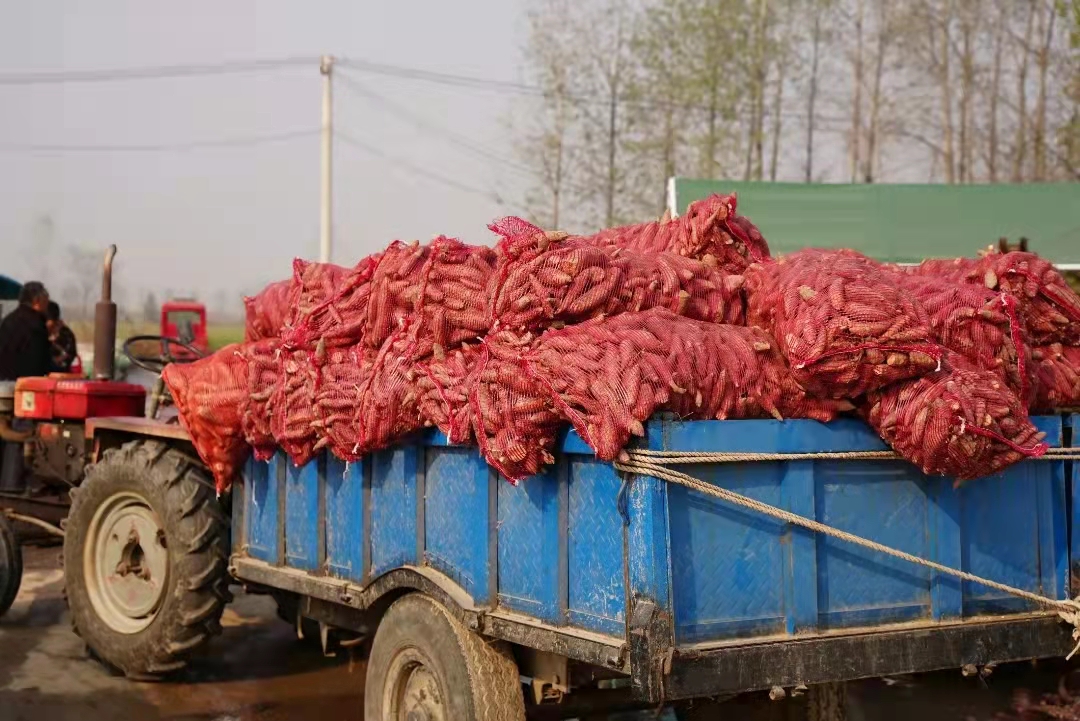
pixel 343 372
pixel 539 283
pixel 453 297
pixel 265 312
pixel 292 418
pixel 513 414
pixel 396 285
pixel 709 227
pixel 1057 378
pixel 609 375
pixel 1049 308
pixel 263 378
pixel 844 323
pixel 209 395
pixel 331 303
pixel 980 324
pixel 388 409
pixel 961 421
pixel 443 384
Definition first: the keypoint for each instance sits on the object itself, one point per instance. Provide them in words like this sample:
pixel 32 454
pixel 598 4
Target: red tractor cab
pixel 185 320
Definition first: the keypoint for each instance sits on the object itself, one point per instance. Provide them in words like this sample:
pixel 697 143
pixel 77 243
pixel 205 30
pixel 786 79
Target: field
pixel 219 334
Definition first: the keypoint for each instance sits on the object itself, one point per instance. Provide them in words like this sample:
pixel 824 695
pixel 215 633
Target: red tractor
pixel 145 536
pixel 185 320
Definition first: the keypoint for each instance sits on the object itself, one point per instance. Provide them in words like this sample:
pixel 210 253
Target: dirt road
pixel 258 671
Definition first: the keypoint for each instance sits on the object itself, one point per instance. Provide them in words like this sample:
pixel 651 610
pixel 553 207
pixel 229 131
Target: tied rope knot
pixel 1072 617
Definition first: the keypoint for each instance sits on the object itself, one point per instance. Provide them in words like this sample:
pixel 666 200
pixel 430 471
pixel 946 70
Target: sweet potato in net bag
pixel 512 413
pixel 1056 371
pixel 961 421
pixel 396 285
pixel 263 377
pixel 342 373
pixel 538 284
pixel 452 306
pixel 443 384
pixel 209 395
pixel 292 418
pixel 980 324
pixel 388 409
pixel 331 304
pixel 1049 308
pixel 844 323
pixel 609 375
pixel 266 312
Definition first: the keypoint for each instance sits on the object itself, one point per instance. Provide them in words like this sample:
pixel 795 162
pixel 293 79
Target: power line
pixel 419 121
pixel 155 72
pixel 156 147
pixel 408 165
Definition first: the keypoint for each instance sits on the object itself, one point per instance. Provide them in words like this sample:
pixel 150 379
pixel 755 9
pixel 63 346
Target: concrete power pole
pixel 326 66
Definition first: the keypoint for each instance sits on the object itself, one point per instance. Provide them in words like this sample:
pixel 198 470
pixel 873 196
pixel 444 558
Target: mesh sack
pixel 209 395
pixel 1056 371
pixel 265 312
pixel 1049 308
pixel 331 303
pixel 609 375
pixel 844 323
pixel 342 374
pixel 709 227
pixel 388 408
pixel 980 324
pixel 396 285
pixel 292 417
pixel 513 414
pixel 443 383
pixel 961 421
pixel 539 283
pixel 452 306
pixel 263 378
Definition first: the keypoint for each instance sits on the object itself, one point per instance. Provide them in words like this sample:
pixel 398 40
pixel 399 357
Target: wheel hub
pixel 415 692
pixel 127 563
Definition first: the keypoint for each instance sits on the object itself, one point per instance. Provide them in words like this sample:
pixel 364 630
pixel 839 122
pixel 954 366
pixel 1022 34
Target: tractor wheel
pixel 425 664
pixel 145 559
pixel 11 566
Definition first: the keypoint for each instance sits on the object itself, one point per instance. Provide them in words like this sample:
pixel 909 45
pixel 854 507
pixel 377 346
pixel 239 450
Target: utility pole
pixel 326 66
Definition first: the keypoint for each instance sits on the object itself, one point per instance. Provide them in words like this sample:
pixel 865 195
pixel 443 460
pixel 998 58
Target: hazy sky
pixel 234 217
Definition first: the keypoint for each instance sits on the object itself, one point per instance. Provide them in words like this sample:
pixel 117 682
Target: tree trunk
pixel 875 97
pixel 778 101
pixel 613 114
pixel 945 83
pixel 1048 16
pixel 995 96
pixel 1021 100
pixel 812 98
pixel 856 108
pixel 967 91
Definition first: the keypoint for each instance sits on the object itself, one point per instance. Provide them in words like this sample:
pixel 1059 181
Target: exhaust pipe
pixel 105 324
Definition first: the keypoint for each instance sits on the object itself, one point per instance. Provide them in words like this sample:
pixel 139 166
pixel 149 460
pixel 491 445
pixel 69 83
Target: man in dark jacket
pixel 24 338
pixel 64 347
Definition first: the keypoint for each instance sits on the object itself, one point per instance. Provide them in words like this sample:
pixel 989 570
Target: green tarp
pixel 905 223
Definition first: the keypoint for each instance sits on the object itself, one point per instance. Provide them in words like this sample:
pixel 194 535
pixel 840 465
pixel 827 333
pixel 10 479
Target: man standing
pixel 64 347
pixel 24 338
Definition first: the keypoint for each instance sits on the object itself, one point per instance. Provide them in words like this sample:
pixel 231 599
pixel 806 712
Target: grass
pixel 218 335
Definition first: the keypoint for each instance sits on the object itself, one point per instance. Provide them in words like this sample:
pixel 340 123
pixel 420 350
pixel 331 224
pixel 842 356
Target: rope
pixel 683 458
pixel 644 463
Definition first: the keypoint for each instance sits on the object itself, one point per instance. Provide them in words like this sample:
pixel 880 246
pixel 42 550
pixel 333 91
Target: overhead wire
pixel 154 72
pixel 156 147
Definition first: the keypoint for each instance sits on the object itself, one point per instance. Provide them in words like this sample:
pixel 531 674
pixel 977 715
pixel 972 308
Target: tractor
pixel 114 473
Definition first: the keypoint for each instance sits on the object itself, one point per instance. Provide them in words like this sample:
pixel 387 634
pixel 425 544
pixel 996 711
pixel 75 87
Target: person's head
pixel 52 315
pixel 33 294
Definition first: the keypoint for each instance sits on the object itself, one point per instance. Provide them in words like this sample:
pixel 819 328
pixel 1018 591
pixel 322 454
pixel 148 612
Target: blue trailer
pixel 590 583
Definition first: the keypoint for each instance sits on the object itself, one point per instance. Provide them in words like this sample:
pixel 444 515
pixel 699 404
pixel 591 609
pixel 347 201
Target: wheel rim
pixel 413 691
pixel 126 563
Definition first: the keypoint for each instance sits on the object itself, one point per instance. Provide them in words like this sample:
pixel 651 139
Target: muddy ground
pixel 258 671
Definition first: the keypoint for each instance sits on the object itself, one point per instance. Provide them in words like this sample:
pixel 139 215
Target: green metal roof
pixel 904 223
pixel 9 288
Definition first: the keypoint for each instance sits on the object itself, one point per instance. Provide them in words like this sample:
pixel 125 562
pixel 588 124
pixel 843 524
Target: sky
pixel 222 221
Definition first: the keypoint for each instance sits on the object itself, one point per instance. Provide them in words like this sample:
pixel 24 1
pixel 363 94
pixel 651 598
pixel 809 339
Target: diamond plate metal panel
pixel 597 592
pixel 727 562
pixel 456 517
pixel 529 546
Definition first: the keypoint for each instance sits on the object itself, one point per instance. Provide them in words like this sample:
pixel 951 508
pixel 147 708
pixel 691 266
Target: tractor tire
pixel 11 565
pixel 424 662
pixel 146 559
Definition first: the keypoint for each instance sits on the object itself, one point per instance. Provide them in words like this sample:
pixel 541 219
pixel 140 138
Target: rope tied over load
pixel 660 465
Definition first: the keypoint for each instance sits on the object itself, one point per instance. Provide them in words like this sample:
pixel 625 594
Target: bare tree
pixel 83 281
pixel 1024 50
